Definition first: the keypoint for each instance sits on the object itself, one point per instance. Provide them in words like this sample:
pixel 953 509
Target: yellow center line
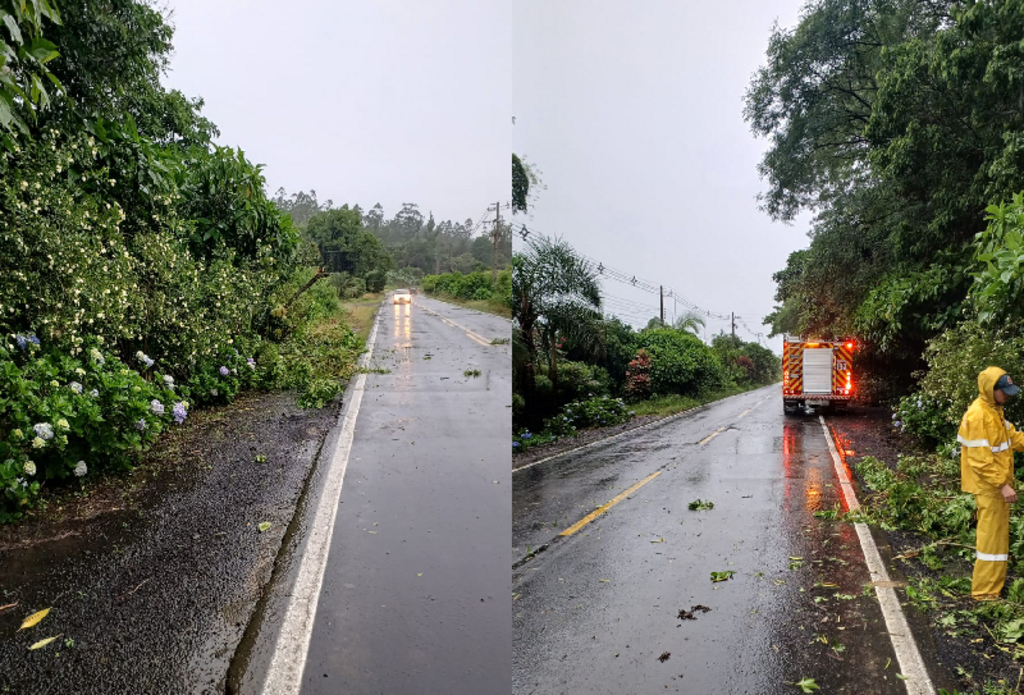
pixel 745 412
pixel 602 509
pixel 713 435
pixel 472 335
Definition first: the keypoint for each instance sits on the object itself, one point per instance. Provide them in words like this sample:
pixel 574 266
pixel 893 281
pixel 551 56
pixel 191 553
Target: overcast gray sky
pixel 387 101
pixel 633 114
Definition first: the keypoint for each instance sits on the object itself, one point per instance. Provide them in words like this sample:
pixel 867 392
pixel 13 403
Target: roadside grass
pixel 662 406
pixel 670 405
pixel 359 314
pixel 488 306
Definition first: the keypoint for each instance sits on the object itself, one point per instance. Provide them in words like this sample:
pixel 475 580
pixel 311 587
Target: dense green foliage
pixel 145 272
pixel 565 351
pixel 476 286
pixel 898 124
pixel 351 240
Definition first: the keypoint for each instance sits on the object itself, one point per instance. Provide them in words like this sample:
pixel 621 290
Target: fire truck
pixel 816 373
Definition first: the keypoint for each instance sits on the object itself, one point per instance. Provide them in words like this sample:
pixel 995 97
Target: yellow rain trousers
pixel 987 444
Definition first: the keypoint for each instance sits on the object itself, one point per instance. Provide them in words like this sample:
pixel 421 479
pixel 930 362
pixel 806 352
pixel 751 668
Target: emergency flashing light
pixel 849 346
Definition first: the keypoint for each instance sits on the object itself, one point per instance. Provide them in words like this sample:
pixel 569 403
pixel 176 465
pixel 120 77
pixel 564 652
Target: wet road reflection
pixel 593 613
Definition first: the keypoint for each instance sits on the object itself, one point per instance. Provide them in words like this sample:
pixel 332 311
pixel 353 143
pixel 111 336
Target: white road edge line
pixel 284 677
pixel 907 654
pixel 596 442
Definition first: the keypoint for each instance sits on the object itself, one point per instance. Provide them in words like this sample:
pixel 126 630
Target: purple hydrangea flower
pixel 180 412
pixel 224 371
pixel 141 424
pixel 43 430
pixel 527 435
pixel 515 443
pixel 22 342
pixel 156 406
pixel 251 362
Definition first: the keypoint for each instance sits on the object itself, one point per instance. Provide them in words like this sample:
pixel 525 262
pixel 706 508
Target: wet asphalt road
pixel 596 611
pixel 414 597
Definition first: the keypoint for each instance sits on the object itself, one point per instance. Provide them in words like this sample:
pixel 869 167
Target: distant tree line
pixel 369 245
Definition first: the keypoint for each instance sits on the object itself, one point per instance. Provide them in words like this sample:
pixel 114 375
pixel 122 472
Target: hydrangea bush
pixel 136 283
pixel 51 430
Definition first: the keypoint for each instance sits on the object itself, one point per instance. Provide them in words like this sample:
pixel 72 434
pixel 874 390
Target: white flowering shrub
pixel 135 283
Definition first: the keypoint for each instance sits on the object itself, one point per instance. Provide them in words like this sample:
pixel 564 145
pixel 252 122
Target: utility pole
pixel 494 242
pixel 733 326
pixel 661 301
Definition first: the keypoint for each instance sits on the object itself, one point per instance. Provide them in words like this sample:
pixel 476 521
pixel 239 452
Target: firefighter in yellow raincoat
pixel 987 443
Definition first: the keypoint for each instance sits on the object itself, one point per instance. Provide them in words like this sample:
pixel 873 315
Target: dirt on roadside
pixel 152 575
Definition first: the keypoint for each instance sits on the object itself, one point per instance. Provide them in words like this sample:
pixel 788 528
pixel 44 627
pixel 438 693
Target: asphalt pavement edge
pixel 257 665
pixel 912 665
pixel 650 425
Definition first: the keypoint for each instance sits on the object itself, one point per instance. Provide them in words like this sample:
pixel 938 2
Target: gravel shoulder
pixel 153 576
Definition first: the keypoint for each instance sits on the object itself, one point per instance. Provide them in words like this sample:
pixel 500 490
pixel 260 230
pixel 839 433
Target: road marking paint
pixel 747 411
pixel 284 676
pixel 472 334
pixel 907 653
pixel 605 507
pixel 712 436
pixel 599 442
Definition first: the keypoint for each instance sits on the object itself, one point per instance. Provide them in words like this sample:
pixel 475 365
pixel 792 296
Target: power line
pixel 632 280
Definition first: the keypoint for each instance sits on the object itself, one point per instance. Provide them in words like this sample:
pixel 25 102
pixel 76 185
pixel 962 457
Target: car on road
pixel 402 295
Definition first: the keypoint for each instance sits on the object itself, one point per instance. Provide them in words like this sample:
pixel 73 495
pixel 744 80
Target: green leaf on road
pixel 264 525
pixel 721 576
pixel 700 505
pixel 806 685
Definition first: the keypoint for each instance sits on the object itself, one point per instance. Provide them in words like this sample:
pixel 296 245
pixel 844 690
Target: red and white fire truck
pixel 817 373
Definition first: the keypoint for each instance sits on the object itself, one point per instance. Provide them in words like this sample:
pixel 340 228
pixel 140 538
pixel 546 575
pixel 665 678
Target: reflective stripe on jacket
pixel 987 441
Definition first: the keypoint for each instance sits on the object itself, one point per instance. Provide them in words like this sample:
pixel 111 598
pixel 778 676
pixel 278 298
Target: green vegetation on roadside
pixel 569 361
pixel 473 290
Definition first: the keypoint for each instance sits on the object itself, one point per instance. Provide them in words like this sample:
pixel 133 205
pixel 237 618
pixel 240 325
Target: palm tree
pixel 690 323
pixel 555 294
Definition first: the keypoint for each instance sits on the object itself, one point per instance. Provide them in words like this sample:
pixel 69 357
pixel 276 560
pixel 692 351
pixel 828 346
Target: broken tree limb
pixel 320 273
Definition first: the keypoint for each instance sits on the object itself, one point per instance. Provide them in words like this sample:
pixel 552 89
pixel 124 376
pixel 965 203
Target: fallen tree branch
pixel 945 541
pixel 320 273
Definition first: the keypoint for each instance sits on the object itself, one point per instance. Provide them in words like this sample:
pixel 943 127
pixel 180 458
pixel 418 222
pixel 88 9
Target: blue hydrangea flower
pixel 251 362
pixel 156 406
pixel 141 424
pixel 22 342
pixel 527 435
pixel 180 412
pixel 515 443
pixel 43 430
pixel 224 371
pixel 33 339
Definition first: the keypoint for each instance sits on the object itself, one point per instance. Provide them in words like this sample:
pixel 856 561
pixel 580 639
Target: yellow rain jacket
pixel 987 442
